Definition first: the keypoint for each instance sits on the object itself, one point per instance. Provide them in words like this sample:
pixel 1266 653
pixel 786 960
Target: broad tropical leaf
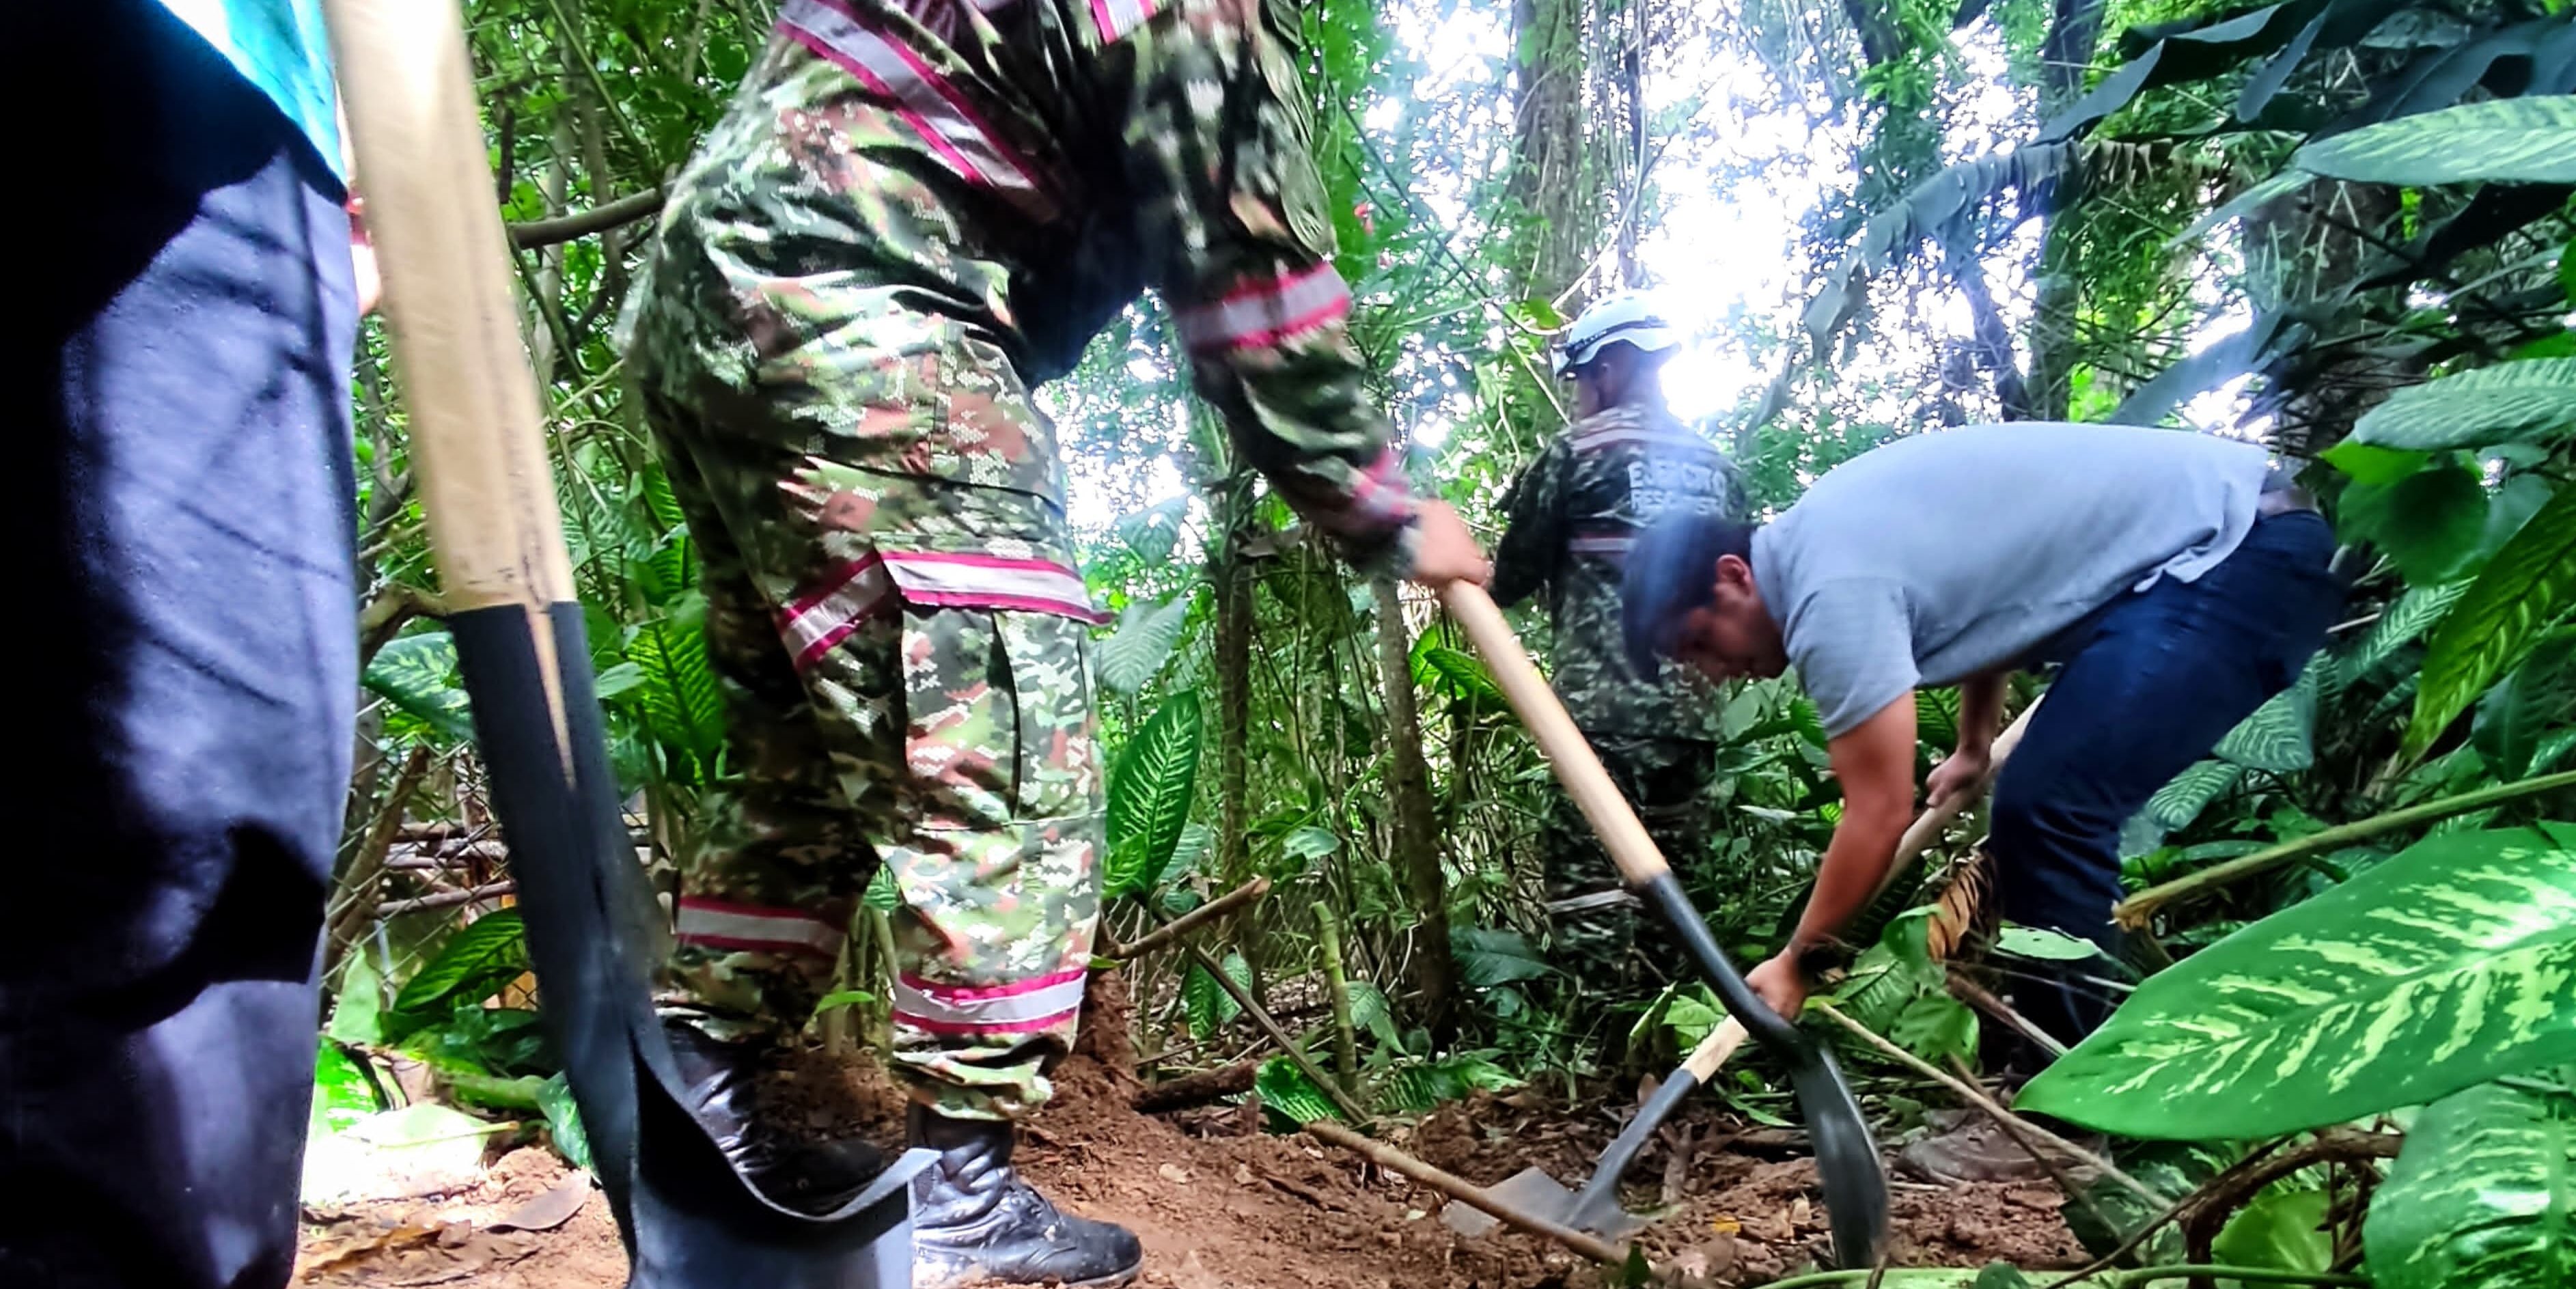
pixel 1936 210
pixel 1209 1006
pixel 2408 616
pixel 1936 1025
pixel 1150 784
pixel 1137 650
pixel 1890 975
pixel 342 1092
pixel 2428 522
pixel 1309 843
pixel 1372 1011
pixel 882 894
pixel 2283 1229
pixel 563 1121
pixel 1153 531
pixel 2524 588
pixel 2277 736
pixel 2441 968
pixel 2177 803
pixel 2521 140
pixel 2115 1212
pixel 2514 715
pixel 680 698
pixel 417 673
pixel 472 963
pixel 1489 957
pixel 2039 942
pixel 1287 1092
pixel 2533 401
pixel 1463 676
pixel 2482 1197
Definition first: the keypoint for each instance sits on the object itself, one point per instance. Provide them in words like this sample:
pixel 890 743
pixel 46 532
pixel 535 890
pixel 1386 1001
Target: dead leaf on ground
pixel 1174 1173
pixel 550 1210
pixel 408 1235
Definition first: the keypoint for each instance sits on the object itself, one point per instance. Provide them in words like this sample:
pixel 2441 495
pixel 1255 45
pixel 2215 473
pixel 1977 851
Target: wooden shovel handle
pixel 1577 767
pixel 1714 1050
pixel 476 424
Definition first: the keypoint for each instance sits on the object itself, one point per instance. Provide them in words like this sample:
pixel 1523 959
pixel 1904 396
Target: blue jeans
pixel 2152 681
pixel 179 512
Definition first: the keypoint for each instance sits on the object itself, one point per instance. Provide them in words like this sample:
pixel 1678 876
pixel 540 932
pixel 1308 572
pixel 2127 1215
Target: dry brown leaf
pixel 549 1210
pixel 406 1236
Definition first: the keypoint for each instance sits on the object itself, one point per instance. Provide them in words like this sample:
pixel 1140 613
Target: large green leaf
pixel 1210 1007
pixel 2408 616
pixel 2443 967
pixel 1936 1025
pixel 2277 736
pixel 2482 1197
pixel 2525 402
pixel 342 1092
pixel 2283 1229
pixel 2428 522
pixel 1150 784
pixel 417 674
pixel 471 964
pixel 2114 1213
pixel 1464 677
pixel 681 701
pixel 2524 588
pixel 1287 1092
pixel 2177 803
pixel 1488 956
pixel 2514 715
pixel 563 1121
pixel 1136 651
pixel 2522 140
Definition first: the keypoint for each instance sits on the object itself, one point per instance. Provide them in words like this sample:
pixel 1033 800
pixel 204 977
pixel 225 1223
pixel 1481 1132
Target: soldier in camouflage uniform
pixel 1572 515
pixel 914 211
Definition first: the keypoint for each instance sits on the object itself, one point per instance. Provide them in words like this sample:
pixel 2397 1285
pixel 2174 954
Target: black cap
pixel 1671 570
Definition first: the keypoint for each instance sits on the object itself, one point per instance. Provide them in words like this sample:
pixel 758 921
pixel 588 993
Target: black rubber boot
pixel 973 1219
pixel 809 1176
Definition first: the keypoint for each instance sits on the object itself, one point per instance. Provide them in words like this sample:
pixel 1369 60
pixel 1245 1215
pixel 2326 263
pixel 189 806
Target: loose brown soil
pixel 1220 1205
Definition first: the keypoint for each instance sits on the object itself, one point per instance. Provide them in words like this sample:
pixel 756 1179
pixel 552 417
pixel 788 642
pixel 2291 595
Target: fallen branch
pixel 2134 911
pixel 1466 1192
pixel 449 899
pixel 1191 921
pixel 1977 1097
pixel 2148 1228
pixel 1196 1089
pixel 579 224
pixel 1327 1084
pixel 2221 1199
pixel 1977 996
pixel 355 900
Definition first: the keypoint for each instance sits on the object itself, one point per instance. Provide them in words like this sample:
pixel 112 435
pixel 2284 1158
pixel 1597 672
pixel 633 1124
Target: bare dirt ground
pixel 1221 1205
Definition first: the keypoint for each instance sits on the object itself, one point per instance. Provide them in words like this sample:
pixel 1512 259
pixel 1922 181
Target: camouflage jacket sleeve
pixel 1230 212
pixel 1534 525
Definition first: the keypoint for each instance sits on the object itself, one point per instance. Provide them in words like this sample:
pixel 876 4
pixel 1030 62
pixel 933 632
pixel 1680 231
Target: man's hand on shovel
pixel 1444 551
pixel 1847 1159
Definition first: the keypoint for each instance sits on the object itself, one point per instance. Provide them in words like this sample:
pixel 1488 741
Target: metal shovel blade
pixel 1528 1191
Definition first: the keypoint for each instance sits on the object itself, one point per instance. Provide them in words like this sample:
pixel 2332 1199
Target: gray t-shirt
pixel 1942 555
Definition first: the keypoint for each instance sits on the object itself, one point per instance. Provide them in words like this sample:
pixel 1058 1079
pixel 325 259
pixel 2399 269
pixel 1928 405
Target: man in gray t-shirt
pixel 2178 582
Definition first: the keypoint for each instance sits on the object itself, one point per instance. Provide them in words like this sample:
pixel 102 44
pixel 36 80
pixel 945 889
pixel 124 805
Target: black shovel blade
pixel 1846 1156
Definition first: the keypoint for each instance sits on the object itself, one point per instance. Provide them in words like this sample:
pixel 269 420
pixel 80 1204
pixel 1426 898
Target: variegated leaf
pixel 2524 588
pixel 2449 965
pixel 2177 803
pixel 2482 1197
pixel 1142 643
pixel 2408 616
pixel 2531 140
pixel 2276 737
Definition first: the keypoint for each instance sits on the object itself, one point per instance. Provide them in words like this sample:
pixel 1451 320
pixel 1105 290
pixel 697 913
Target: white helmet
pixel 1625 317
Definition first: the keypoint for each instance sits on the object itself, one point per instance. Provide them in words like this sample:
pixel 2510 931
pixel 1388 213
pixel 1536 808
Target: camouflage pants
pixel 906 664
pixel 1594 923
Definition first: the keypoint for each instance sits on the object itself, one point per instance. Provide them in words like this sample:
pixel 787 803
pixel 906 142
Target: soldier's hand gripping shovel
pixel 689 1220
pixel 1846 1157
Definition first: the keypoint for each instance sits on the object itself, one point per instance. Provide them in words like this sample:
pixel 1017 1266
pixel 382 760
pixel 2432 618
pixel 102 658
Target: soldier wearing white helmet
pixel 1572 514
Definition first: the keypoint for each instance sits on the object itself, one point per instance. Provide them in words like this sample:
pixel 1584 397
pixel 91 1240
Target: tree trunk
pixel 1549 170
pixel 1434 976
pixel 1233 576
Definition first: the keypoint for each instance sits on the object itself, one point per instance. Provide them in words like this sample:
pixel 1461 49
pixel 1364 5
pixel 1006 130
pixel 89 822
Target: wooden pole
pixel 1466 1192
